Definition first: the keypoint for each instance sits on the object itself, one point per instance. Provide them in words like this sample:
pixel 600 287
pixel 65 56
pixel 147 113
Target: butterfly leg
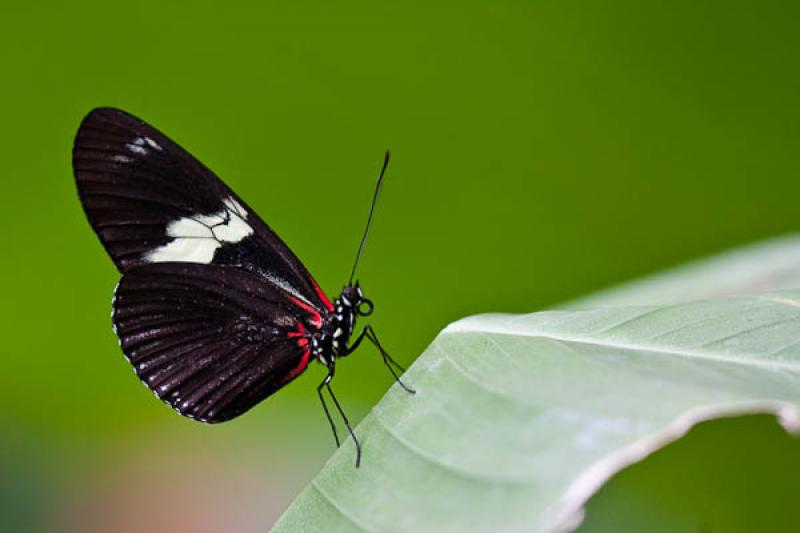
pixel 325 383
pixel 373 337
pixel 346 423
pixel 390 363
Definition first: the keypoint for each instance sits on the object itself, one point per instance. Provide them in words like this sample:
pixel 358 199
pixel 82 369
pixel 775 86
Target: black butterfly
pixel 214 311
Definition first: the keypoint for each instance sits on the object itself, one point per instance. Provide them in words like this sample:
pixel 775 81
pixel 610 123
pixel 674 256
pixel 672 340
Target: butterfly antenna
pixel 369 218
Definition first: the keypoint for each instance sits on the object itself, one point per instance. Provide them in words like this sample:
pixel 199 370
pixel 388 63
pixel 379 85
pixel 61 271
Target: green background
pixel 541 150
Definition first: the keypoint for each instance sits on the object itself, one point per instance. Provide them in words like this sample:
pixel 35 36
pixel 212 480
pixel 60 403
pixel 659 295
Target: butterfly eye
pixel 365 307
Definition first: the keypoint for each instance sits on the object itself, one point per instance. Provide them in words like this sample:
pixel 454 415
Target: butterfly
pixel 213 310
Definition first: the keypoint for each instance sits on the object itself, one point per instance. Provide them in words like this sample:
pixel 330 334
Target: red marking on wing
pixel 302 365
pixel 322 296
pixel 299 332
pixel 300 335
pixel 316 317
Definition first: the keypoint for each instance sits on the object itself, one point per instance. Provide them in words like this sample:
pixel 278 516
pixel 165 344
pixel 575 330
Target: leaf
pixel 766 266
pixel 736 475
pixel 518 420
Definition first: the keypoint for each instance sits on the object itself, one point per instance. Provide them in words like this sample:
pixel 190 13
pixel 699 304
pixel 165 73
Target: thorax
pixel 331 340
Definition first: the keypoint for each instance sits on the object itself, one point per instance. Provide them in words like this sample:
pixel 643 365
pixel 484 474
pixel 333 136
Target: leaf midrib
pixel 747 360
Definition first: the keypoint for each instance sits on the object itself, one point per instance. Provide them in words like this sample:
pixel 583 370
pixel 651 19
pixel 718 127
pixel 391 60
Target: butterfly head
pixel 353 298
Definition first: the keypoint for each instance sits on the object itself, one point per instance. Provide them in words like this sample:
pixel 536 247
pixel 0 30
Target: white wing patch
pixel 197 238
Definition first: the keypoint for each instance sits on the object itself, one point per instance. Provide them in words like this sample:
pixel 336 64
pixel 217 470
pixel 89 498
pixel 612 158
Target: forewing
pixel 211 341
pixel 150 202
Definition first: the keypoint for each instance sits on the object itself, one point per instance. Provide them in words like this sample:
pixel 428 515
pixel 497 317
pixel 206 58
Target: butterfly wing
pixel 150 202
pixel 211 341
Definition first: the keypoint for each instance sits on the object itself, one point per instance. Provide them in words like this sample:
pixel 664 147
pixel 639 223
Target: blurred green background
pixel 541 150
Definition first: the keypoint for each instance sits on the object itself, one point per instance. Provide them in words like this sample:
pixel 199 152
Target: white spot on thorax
pixel 197 238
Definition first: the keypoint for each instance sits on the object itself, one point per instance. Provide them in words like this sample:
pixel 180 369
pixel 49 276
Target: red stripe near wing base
pixel 301 366
pixel 322 296
pixel 299 332
pixel 302 342
pixel 316 317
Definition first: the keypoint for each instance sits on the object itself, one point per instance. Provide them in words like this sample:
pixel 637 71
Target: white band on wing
pixel 195 239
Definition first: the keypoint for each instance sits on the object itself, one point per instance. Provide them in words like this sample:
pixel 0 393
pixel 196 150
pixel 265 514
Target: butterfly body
pixel 213 310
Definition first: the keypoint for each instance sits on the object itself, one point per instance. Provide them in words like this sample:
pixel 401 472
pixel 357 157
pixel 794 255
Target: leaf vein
pixel 347 516
pixel 417 451
pixel 748 360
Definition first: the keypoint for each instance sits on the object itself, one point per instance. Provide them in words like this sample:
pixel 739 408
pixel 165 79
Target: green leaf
pixel 732 475
pixel 518 420
pixel 766 266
